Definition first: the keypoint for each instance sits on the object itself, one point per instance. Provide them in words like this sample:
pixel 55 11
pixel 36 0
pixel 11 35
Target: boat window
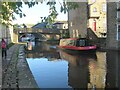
pixel 65 42
pixel 71 42
pixel 81 42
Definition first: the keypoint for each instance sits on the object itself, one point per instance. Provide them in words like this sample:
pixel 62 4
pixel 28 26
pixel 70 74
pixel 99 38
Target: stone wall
pixel 15 36
pixel 5 33
pixel 78 20
pixel 111 40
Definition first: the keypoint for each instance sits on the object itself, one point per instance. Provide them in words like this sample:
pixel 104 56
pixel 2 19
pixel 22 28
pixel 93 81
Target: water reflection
pixel 113 67
pixel 55 68
pixel 49 74
pixel 78 71
pixel 97 70
pixel 43 50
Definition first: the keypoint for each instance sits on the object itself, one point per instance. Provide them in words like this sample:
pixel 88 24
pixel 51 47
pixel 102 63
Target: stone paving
pixel 16 72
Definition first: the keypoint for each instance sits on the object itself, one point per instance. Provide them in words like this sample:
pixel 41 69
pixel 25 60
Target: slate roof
pixel 58 23
pixel 40 25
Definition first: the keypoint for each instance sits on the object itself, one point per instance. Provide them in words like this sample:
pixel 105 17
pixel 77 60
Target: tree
pixel 8 9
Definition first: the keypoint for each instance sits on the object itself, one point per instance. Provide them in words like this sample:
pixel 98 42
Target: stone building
pixel 102 17
pixel 61 24
pixel 63 27
pixel 104 21
pixel 5 33
pixel 97 21
pixel 113 25
pixel 78 20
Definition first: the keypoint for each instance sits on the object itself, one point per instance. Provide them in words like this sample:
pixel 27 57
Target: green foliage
pixel 65 6
pixel 50 19
pixel 10 8
pixel 10 45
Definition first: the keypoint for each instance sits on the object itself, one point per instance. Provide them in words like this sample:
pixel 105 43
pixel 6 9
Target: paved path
pixel 9 67
pixel 0 68
pixel 6 62
pixel 16 73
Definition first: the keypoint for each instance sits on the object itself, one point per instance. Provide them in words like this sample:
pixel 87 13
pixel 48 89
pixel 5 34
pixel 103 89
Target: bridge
pixel 48 33
pixel 37 30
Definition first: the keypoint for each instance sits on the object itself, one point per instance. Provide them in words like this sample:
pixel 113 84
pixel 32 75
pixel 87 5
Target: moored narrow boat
pixel 76 44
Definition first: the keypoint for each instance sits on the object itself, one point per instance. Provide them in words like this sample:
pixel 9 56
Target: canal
pixel 54 68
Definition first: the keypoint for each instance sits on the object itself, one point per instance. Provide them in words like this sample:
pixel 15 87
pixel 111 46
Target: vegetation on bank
pixel 10 45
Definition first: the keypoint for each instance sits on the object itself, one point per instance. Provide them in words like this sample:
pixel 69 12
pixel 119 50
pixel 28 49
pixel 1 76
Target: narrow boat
pixel 76 44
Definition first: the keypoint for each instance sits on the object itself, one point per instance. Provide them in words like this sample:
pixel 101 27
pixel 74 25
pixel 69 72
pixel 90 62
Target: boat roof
pixel 74 38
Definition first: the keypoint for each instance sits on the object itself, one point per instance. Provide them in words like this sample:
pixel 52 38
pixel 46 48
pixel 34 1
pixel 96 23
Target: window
pixel 94 9
pixel 118 6
pixel 104 7
pixel 118 11
pixel 82 42
pixel 118 32
pixel 93 1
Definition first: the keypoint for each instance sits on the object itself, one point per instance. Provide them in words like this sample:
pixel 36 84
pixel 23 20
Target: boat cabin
pixel 79 42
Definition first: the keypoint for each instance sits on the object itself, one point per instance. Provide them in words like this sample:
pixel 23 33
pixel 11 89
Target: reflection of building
pixel 85 72
pixel 97 71
pixel 70 58
pixel 51 55
pixel 78 74
pixel 43 50
pixel 113 67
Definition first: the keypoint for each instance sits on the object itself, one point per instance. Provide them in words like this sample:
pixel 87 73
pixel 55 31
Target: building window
pixel 118 6
pixel 118 32
pixel 104 7
pixel 118 11
pixel 93 1
pixel 94 9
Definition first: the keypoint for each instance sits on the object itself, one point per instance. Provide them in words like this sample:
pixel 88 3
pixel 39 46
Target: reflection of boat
pixel 30 45
pixel 73 59
pixel 76 44
pixel 78 69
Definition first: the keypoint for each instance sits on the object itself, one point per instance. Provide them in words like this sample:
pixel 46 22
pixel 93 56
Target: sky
pixel 33 14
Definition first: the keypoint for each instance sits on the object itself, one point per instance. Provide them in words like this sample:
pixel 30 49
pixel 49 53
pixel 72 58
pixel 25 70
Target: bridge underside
pixel 41 37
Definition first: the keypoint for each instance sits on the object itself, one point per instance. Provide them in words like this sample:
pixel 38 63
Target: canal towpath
pixel 15 70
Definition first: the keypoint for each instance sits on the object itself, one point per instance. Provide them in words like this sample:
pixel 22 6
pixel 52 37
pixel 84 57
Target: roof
pixel 75 38
pixel 58 23
pixel 40 25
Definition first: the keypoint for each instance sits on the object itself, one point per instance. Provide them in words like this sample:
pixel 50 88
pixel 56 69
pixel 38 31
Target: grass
pixel 10 45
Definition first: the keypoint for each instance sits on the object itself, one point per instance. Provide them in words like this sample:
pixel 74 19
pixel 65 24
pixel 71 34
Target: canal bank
pixel 15 70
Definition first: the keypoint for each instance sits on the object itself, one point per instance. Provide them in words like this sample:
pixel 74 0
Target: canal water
pixel 54 68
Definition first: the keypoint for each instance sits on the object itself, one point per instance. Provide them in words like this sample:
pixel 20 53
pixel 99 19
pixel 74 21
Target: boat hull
pixel 79 45
pixel 78 51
